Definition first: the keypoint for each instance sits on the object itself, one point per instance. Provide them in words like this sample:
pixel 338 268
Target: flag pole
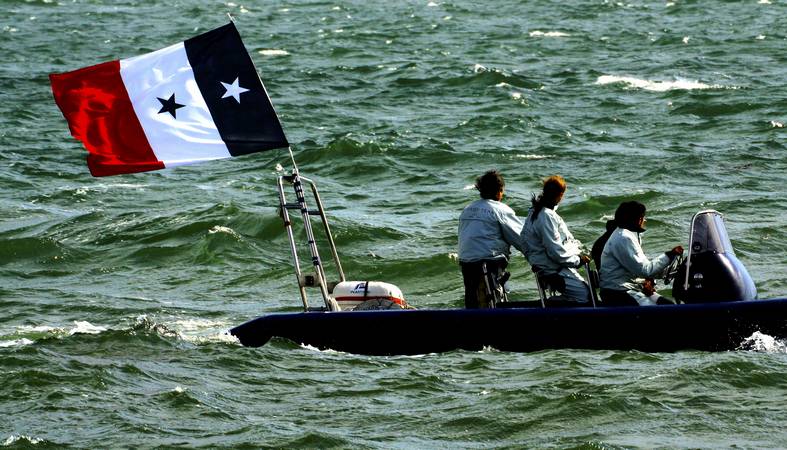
pixel 292 158
pixel 297 184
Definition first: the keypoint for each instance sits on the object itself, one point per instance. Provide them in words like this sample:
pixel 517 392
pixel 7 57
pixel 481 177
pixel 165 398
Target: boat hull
pixel 707 326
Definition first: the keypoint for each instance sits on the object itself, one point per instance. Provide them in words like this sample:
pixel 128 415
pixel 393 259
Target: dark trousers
pixel 611 297
pixel 475 284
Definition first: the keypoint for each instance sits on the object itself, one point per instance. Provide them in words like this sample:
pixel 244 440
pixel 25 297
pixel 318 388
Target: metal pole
pixel 328 233
pixel 285 215
pixel 542 294
pixel 590 284
pixel 319 273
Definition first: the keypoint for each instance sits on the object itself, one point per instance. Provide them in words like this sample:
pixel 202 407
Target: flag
pixel 194 101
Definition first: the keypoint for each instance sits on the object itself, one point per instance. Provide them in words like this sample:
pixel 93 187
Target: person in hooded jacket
pixel 551 249
pixel 626 274
pixel 487 230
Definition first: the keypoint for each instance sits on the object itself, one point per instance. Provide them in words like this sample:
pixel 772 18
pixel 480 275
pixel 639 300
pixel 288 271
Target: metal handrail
pixel 327 228
pixel 285 215
pixel 320 278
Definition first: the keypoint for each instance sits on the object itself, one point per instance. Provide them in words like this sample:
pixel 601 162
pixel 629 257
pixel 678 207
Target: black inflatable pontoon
pixel 705 326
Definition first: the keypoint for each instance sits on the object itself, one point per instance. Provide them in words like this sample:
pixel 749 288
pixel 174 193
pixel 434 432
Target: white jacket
pixel 487 230
pixel 623 263
pixel 548 243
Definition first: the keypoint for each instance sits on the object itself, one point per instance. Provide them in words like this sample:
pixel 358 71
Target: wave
pixel 273 52
pixel 657 86
pixel 763 343
pixel 478 77
pixel 40 249
pixel 21 440
pixel 715 108
pixel 539 33
pixel 28 335
pixel 533 156
pixel 16 343
pixel 194 331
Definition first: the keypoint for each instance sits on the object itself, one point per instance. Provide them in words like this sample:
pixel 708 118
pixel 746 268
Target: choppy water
pixel 116 293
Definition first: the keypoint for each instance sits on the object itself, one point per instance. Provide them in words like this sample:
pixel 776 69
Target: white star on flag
pixel 233 90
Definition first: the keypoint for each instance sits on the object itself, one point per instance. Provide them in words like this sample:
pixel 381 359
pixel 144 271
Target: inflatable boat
pixel 716 308
pixel 664 328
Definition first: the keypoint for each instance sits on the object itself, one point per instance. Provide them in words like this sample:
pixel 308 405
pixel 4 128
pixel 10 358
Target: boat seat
pixel 494 287
pixel 548 286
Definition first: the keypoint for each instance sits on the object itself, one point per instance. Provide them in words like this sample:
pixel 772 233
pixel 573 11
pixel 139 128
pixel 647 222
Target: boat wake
pixel 27 335
pixel 194 331
pixel 759 342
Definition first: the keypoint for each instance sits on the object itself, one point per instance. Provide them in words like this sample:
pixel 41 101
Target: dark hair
pixel 598 246
pixel 628 214
pixel 490 184
pixel 554 187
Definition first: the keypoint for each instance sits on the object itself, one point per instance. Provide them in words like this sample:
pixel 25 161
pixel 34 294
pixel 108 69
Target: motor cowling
pixel 367 295
pixel 710 272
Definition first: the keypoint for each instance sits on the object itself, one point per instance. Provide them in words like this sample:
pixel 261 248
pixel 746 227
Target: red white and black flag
pixel 194 101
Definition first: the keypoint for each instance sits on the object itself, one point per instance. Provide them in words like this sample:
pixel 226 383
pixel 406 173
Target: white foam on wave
pixel 16 343
pixel 222 229
pixel 13 439
pixel 29 334
pixel 539 33
pixel 103 187
pixel 197 331
pixel 85 327
pixel 201 331
pixel 760 342
pixel 533 156
pixel 326 351
pixel 273 52
pixel 35 329
pixel 657 86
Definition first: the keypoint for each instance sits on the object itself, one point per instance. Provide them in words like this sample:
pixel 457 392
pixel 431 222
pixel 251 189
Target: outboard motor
pixel 714 272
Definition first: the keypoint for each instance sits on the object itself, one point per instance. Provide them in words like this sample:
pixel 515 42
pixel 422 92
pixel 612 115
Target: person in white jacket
pixel 487 230
pixel 627 275
pixel 551 249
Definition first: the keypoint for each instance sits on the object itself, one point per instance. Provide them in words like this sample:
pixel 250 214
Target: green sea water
pixel 116 293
